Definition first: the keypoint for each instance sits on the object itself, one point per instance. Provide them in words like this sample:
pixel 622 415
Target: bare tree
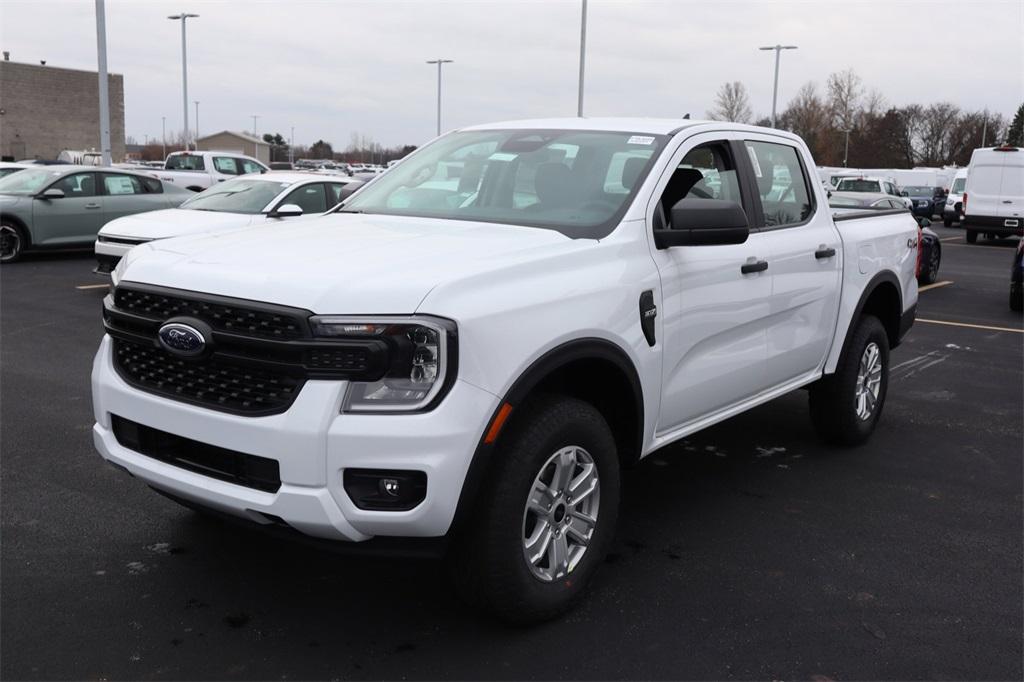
pixel 808 116
pixel 731 104
pixel 845 91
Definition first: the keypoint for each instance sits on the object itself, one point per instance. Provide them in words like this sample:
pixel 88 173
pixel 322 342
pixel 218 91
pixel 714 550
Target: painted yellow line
pixel 936 285
pixel 107 286
pixel 971 326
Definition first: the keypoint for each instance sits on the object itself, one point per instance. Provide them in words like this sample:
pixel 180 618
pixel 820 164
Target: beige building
pixel 240 143
pixel 45 110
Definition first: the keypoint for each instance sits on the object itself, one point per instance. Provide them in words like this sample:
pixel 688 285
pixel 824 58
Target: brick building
pixel 45 109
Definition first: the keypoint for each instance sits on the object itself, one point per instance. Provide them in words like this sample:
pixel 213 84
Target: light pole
pixel 775 90
pixel 196 145
pixel 163 134
pixel 439 62
pixel 984 127
pixel 101 55
pixel 255 117
pixel 291 147
pixel 184 68
pixel 846 151
pixel 583 55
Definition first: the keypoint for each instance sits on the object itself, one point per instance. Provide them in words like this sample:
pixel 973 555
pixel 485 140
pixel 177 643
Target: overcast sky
pixel 330 68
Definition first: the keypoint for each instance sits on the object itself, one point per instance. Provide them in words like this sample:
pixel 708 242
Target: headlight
pixel 421 360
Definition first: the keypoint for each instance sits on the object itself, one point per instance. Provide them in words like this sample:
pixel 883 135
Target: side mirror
pixel 285 211
pixel 704 222
pixel 52 193
pixel 904 193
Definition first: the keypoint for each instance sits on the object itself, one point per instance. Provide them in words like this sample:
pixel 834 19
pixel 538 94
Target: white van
pixel 952 212
pixel 993 202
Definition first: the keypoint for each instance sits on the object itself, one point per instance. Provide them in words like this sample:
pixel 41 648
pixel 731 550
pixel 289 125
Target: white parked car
pixel 241 202
pixel 199 170
pixel 874 185
pixel 993 200
pixel 472 359
pixel 952 212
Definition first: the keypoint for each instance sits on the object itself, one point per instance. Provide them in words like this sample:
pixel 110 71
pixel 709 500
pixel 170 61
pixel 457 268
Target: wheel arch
pixel 591 369
pixel 18 223
pixel 882 298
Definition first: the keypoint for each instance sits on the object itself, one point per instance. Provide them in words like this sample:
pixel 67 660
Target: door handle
pixel 824 252
pixel 755 266
pixel 92 205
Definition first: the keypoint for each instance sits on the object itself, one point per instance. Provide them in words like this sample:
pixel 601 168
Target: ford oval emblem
pixel 181 338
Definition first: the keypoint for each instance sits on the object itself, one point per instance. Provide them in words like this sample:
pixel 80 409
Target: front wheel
pixel 12 243
pixel 845 406
pixel 546 516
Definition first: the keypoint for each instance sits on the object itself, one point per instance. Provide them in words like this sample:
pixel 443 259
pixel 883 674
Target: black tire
pixel 13 242
pixel 947 221
pixel 1016 297
pixel 833 399
pixel 972 237
pixel 930 269
pixel 488 564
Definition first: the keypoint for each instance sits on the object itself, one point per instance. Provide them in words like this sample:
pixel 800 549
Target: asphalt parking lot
pixel 748 551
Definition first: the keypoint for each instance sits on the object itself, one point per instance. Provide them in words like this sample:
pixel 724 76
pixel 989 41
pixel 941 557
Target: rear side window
pixel 250 166
pixel 152 185
pixel 114 185
pixel 781 183
pixel 225 165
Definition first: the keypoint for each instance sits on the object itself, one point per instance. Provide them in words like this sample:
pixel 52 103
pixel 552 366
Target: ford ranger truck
pixel 469 350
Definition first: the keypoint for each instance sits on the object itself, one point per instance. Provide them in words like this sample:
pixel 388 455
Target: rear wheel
pixel 546 515
pixel 845 406
pixel 930 269
pixel 972 236
pixel 12 242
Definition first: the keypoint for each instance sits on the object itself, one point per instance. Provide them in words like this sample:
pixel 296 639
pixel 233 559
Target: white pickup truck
pixel 199 170
pixel 468 359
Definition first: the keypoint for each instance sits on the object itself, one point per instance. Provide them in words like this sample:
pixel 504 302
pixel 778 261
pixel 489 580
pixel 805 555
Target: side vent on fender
pixel 648 312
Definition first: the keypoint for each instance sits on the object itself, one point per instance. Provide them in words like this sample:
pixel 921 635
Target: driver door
pixel 714 315
pixel 72 219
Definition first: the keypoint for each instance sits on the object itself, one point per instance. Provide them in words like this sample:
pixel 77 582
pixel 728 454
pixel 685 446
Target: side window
pixel 706 172
pixel 77 185
pixel 115 185
pixel 152 185
pixel 334 193
pixel 785 196
pixel 225 165
pixel 250 166
pixel 310 198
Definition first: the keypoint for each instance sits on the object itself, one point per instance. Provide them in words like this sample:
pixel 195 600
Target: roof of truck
pixel 653 126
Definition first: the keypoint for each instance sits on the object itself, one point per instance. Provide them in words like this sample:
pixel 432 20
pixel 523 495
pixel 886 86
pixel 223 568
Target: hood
pixel 341 263
pixel 175 222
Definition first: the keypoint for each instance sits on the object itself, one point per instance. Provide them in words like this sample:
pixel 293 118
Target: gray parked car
pixel 65 206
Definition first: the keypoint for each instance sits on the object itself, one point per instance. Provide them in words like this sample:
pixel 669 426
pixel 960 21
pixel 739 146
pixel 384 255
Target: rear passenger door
pixel 805 259
pixel 124 194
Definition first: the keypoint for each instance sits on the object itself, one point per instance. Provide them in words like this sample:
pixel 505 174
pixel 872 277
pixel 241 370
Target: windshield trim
pixel 595 231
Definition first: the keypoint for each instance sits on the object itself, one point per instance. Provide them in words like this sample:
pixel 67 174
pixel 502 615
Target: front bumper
pixel 997 225
pixel 313 444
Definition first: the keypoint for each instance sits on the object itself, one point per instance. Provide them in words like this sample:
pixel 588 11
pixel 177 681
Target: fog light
pixel 385 489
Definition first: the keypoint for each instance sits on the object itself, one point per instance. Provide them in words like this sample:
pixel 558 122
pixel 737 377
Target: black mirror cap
pixel 704 222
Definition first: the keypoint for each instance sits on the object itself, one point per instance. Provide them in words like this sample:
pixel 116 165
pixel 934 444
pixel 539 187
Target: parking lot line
pixel 949 239
pixel 936 285
pixel 94 286
pixel 972 326
pixel 979 246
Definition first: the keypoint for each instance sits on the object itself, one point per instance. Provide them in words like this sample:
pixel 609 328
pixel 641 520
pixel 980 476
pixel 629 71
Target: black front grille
pixel 257 355
pixel 251 471
pixel 209 382
pixel 238 319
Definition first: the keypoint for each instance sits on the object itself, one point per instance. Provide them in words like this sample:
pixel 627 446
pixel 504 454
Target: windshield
pixel 241 195
pixel 958 186
pixel 185 162
pixel 573 181
pixel 918 189
pixel 28 181
pixel 848 185
pixel 4 172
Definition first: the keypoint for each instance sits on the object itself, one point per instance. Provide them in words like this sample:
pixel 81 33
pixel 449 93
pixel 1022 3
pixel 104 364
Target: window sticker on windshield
pixel 640 139
pixel 501 156
pixel 754 162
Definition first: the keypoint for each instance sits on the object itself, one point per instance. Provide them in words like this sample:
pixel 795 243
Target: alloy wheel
pixel 869 381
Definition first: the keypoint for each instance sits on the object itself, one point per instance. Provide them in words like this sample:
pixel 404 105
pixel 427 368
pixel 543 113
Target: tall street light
pixel 163 134
pixel 197 125
pixel 255 117
pixel 101 54
pixel 775 91
pixel 583 55
pixel 439 62
pixel 846 150
pixel 291 147
pixel 184 68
